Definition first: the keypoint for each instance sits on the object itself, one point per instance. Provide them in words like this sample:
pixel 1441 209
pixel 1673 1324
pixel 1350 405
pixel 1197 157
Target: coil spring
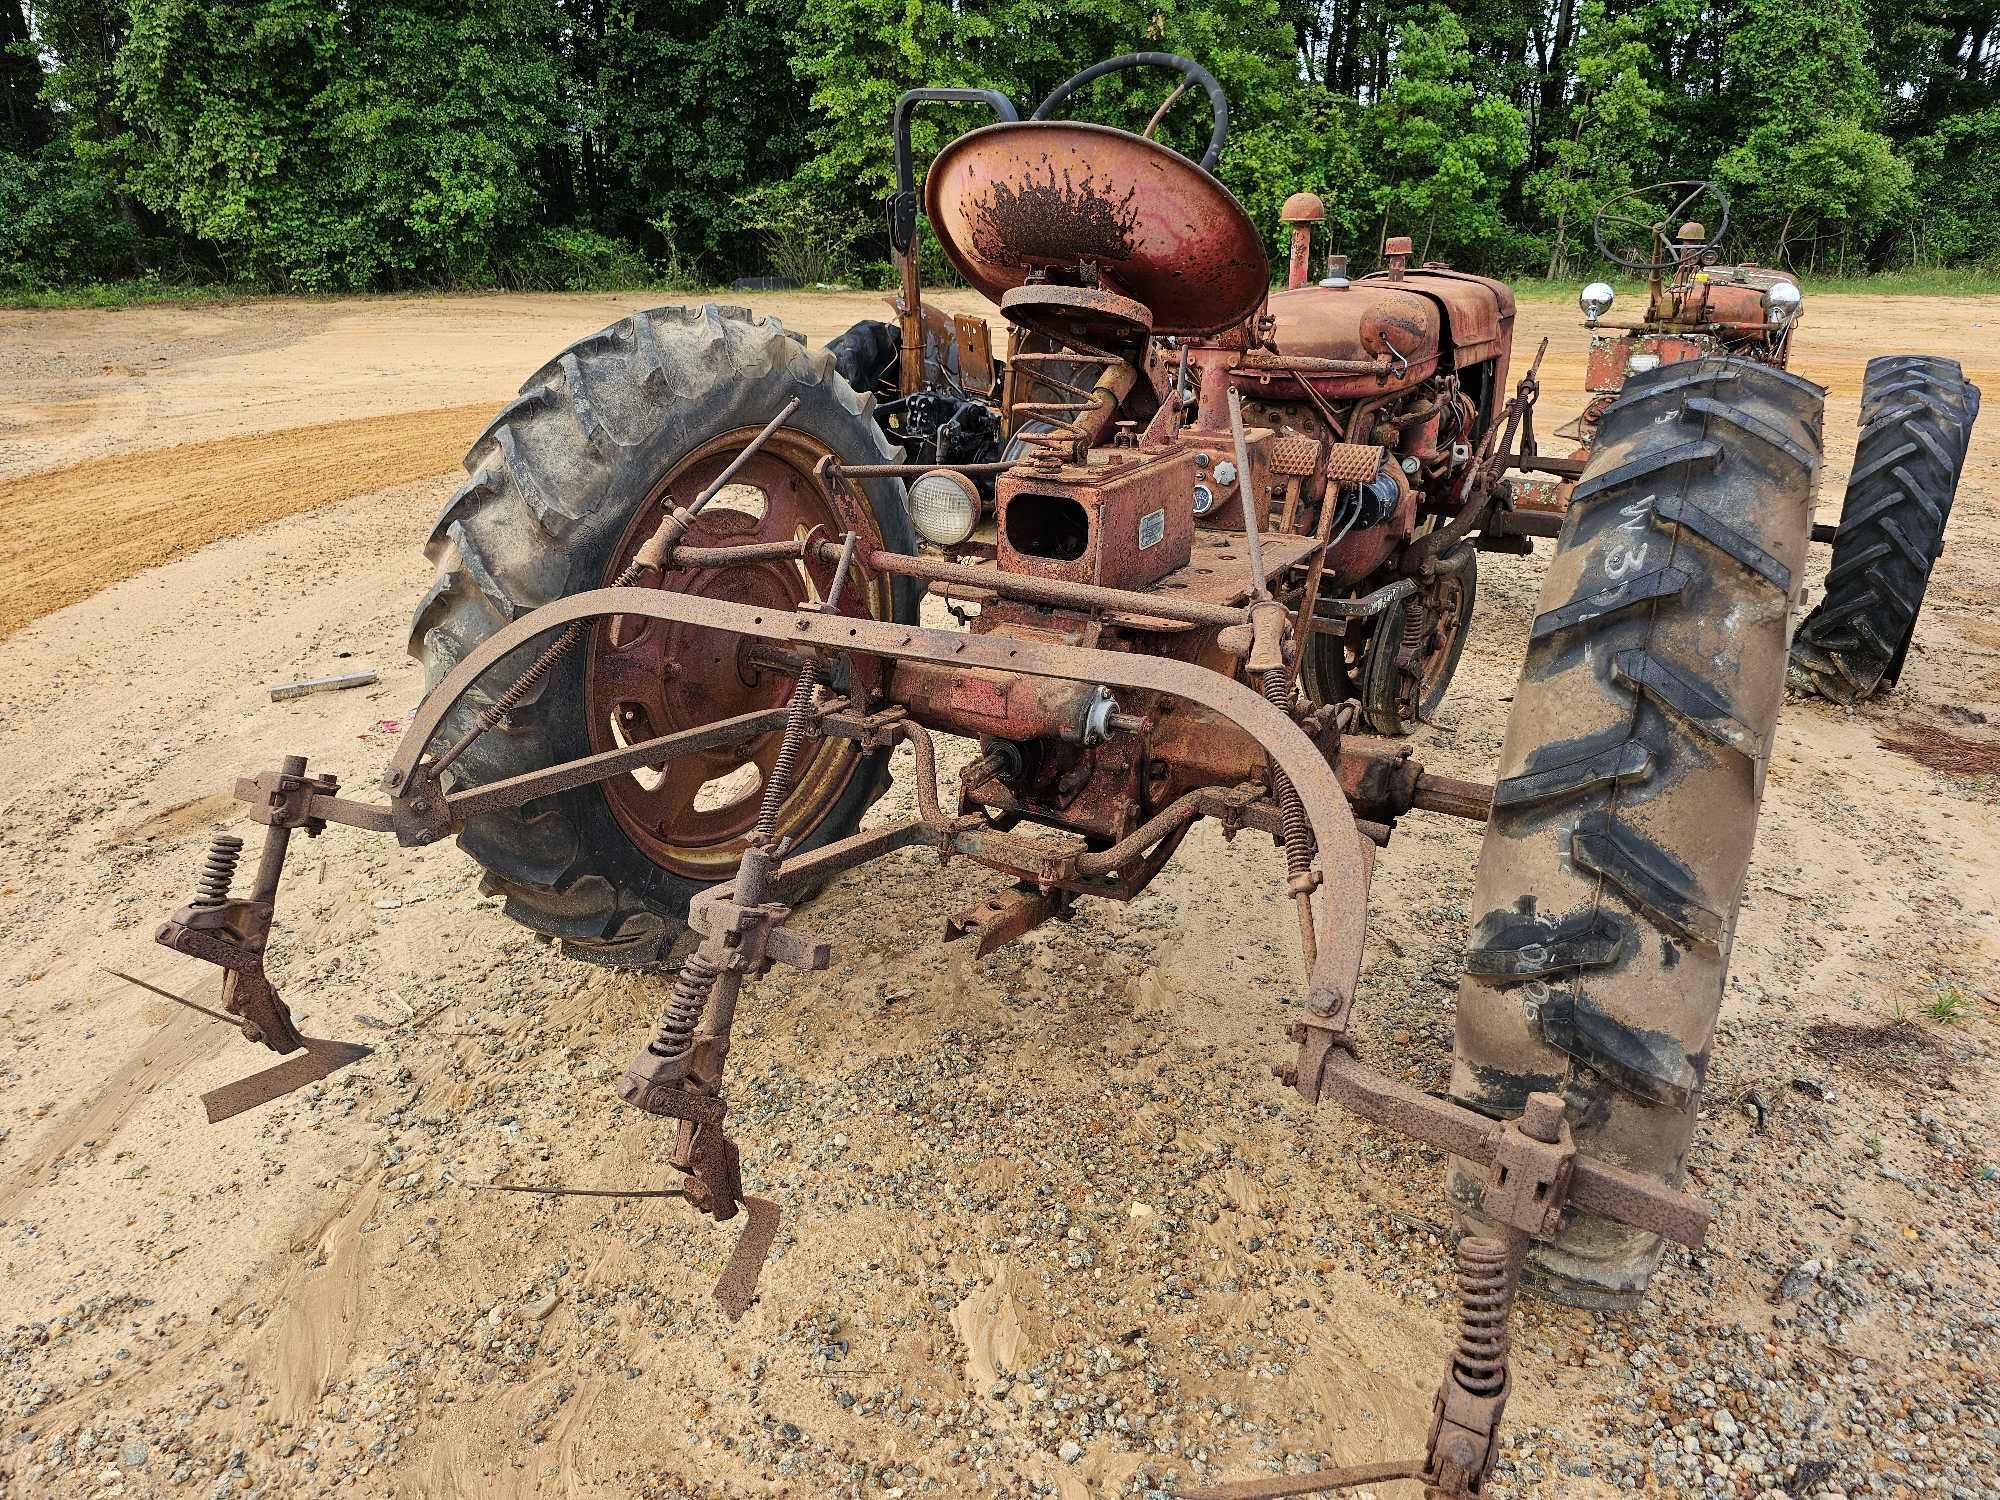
pixel 1291 811
pixel 218 869
pixel 778 785
pixel 692 987
pixel 1416 618
pixel 1486 1291
pixel 1065 432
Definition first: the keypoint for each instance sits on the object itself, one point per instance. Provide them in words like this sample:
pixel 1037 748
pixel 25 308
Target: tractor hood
pixel 1361 322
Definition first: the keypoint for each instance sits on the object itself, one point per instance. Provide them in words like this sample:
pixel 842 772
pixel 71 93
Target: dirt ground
pixel 1049 1225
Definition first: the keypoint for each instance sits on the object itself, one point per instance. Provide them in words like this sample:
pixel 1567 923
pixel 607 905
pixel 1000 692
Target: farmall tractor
pixel 675 637
pixel 1916 424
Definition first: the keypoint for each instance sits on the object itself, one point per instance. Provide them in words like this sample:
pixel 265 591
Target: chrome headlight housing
pixel 1783 302
pixel 1596 300
pixel 945 507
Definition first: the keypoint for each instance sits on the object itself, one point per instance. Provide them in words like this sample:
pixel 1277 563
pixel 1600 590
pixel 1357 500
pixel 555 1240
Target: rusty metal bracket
pixel 1010 914
pixel 755 935
pixel 1327 1067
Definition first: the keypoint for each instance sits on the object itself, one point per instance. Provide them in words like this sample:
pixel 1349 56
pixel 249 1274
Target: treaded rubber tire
pixel 555 481
pixel 868 354
pixel 1917 412
pixel 1628 787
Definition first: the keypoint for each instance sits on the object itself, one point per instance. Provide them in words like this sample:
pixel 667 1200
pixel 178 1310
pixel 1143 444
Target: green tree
pixel 1614 120
pixel 1811 171
pixel 318 149
pixel 1955 219
pixel 858 56
pixel 1441 151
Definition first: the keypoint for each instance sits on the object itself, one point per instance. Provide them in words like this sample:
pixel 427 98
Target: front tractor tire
pixel 565 484
pixel 1629 784
pixel 1917 412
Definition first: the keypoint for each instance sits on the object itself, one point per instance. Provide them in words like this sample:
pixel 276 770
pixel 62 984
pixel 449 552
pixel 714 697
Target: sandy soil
pixel 1048 1197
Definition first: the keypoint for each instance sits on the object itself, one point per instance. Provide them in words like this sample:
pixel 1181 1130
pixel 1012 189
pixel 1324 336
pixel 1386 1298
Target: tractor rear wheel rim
pixel 692 816
pixel 1423 684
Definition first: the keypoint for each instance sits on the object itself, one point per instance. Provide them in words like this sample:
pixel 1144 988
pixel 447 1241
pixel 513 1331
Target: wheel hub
pixel 691 816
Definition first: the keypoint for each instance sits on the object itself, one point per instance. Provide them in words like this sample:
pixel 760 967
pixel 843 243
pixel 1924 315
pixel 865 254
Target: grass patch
pixel 566 268
pixel 1966 283
pixel 112 294
pixel 1947 1005
pixel 1898 1045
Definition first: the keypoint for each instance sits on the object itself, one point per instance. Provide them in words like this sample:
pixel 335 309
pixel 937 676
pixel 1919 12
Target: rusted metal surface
pixel 1000 919
pixel 1452 796
pixel 1296 456
pixel 1209 487
pixel 1121 523
pixel 1331 1071
pixel 1356 341
pixel 1478 316
pixel 974 342
pixel 320 1059
pixel 1344 890
pixel 1042 197
pixel 1301 211
pixel 693 816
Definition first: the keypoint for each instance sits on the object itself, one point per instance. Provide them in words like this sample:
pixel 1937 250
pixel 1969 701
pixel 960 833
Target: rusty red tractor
pixel 674 639
pixel 1916 425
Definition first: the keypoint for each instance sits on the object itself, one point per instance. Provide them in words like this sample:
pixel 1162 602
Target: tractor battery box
pixel 1123 519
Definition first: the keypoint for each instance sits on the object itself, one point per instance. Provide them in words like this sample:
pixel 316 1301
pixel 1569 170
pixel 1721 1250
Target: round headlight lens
pixel 945 507
pixel 1783 302
pixel 1596 300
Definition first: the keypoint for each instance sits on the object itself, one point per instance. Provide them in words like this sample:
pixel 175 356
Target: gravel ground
pixel 1049 1227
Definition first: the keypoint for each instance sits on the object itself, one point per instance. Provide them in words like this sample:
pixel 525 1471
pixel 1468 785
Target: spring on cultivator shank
pixel 218 870
pixel 692 987
pixel 1486 1292
pixel 778 785
pixel 1291 811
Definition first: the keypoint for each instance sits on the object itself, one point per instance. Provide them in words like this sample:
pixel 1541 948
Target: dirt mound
pixel 75 530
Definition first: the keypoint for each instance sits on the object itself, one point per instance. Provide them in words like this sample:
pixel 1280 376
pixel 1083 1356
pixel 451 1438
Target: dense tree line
pixel 328 144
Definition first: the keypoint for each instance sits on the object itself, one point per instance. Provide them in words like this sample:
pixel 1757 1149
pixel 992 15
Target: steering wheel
pixel 1191 72
pixel 1659 231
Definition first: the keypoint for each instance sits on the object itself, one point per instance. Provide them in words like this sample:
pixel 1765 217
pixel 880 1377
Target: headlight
pixel 1782 302
pixel 945 507
pixel 1595 300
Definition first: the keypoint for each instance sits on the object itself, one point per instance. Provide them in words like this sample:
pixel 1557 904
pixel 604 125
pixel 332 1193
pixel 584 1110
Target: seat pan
pixel 1048 197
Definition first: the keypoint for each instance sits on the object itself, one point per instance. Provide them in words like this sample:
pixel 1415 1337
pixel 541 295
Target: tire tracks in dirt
pixel 73 531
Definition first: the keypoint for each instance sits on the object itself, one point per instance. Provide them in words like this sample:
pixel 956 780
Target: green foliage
pixel 1956 180
pixel 1441 151
pixel 807 232
pixel 59 223
pixel 572 260
pixel 314 150
pixel 302 145
pixel 1812 174
pixel 1609 147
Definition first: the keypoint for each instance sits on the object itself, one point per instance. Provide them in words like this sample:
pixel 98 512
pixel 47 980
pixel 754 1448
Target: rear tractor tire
pixel 565 484
pixel 1628 788
pixel 1917 412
